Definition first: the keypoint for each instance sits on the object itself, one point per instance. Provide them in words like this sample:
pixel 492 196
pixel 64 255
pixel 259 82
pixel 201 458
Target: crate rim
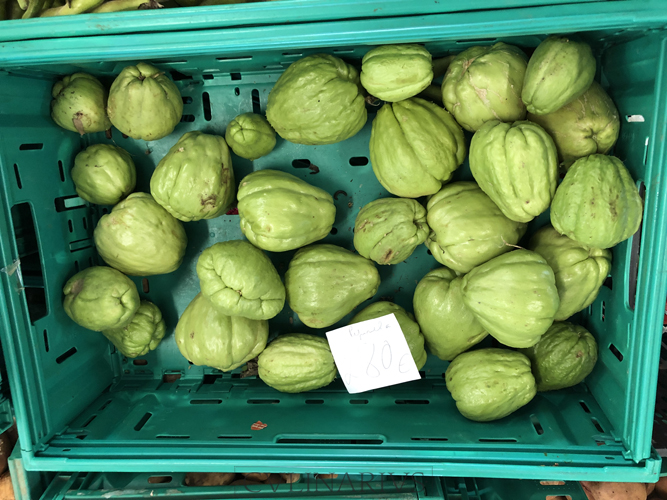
pixel 541 20
pixel 294 11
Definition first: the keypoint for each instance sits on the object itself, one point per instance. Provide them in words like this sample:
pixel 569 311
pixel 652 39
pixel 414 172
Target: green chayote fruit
pixel 317 100
pixel 195 180
pixel 280 212
pixel 415 147
pixel 409 327
pixel 140 238
pixel 205 336
pixel 490 384
pixel 79 104
pixel 587 125
pixel 297 362
pixel 598 203
pixel 388 230
pixel 449 327
pixel 484 83
pixel 559 71
pixel 467 228
pixel 326 282
pixel 396 72
pixel 513 296
pixel 99 298
pixel 142 334
pixel 240 280
pixel 104 174
pixel 516 165
pixel 144 103
pixel 250 136
pixel 563 357
pixel 579 270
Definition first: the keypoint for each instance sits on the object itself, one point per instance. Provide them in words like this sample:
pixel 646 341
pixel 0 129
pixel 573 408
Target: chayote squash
pixel 205 336
pixel 415 147
pixel 467 228
pixel 144 103
pixel 297 362
pixel 396 72
pixel 280 212
pixel 240 280
pixel 317 100
pixel 597 204
pixel 99 298
pixel 250 136
pixel 79 104
pixel 406 321
pixel 579 270
pixel 559 71
pixel 516 165
pixel 142 334
pixel 513 296
pixel 490 384
pixel 104 174
pixel 195 180
pixel 483 84
pixel 140 238
pixel 326 282
pixel 449 327
pixel 587 125
pixel 388 230
pixel 565 355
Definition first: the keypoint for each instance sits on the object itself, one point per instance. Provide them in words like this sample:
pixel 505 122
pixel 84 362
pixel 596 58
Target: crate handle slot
pixel 142 421
pixel 635 250
pixel 66 355
pixel 206 102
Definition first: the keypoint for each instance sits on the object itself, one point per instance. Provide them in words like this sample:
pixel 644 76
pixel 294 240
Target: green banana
pixel 124 5
pixel 72 7
pixel 34 9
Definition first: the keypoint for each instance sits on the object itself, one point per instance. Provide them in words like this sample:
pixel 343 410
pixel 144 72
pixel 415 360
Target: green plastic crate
pixel 82 407
pixel 136 486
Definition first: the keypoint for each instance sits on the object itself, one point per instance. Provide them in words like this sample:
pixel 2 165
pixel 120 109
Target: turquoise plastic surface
pixel 218 16
pixel 83 407
pixel 136 486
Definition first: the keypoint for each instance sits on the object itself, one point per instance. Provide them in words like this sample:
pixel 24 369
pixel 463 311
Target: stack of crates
pixel 82 407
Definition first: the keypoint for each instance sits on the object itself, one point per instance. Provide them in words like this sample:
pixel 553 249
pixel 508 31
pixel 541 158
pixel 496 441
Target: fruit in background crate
pixel 409 327
pixel 104 174
pixel 388 230
pixel 598 203
pixel 614 491
pixel 415 147
pixel 240 280
pixel 195 180
pixel 280 212
pixel 514 297
pixel 396 72
pixel 565 355
pixel 449 327
pixel 467 228
pixel 326 282
pixel 256 476
pixel 516 165
pixel 79 104
pixel 142 334
pixel 209 478
pixel 99 298
pixel 483 84
pixel 250 136
pixel 205 336
pixel 140 238
pixel 590 124
pixel 579 270
pixel 317 100
pixel 490 384
pixel 144 103
pixel 297 362
pixel 559 71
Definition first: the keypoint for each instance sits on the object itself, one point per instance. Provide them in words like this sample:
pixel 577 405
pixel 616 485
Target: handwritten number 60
pixel 371 370
pixel 386 355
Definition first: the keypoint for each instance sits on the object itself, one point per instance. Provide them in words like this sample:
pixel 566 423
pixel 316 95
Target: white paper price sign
pixel 372 354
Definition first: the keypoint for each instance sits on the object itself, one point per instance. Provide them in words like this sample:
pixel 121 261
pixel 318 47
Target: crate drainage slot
pixel 205 401
pixel 328 441
pixel 143 421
